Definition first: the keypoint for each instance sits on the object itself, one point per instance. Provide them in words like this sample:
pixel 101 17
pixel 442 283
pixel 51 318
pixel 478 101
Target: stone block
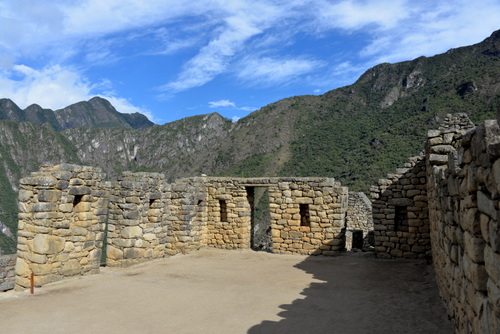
pixel 47 244
pixel 71 268
pixel 492 264
pixel 134 253
pixel 114 253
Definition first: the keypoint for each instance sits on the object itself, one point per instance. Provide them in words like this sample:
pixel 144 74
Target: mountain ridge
pixel 356 134
pixel 96 112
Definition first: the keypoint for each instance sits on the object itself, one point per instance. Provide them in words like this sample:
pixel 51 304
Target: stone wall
pixel 400 213
pixel 359 222
pixel 7 272
pixel 137 228
pixel 62 215
pixel 187 215
pixel 68 214
pixel 306 214
pixel 464 194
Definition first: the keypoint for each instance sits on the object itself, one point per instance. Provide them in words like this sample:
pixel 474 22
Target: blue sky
pixel 171 59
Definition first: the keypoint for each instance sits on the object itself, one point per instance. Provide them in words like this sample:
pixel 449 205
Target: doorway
pixel 260 233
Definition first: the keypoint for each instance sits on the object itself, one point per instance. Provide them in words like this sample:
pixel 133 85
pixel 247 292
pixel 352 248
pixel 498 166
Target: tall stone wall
pixel 7 271
pixel 62 215
pixel 137 228
pixel 400 213
pixel 464 194
pixel 359 222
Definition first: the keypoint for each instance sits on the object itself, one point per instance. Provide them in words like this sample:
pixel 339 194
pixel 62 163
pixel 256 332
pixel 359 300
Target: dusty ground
pixel 214 291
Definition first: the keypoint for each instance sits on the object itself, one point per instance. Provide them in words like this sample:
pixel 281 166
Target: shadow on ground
pixel 358 293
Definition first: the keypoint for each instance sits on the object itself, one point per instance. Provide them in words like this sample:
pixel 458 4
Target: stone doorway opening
pixel 260 228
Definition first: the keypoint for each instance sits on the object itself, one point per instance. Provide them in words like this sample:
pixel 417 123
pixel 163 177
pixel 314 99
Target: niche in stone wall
pixel 305 218
pixel 76 201
pixel 223 210
pixel 401 218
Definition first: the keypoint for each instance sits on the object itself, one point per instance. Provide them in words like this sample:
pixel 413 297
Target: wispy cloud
pixel 267 70
pixel 221 103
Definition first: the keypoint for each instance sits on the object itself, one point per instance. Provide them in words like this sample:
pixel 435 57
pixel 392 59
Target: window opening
pixel 304 215
pixel 223 210
pixel 401 218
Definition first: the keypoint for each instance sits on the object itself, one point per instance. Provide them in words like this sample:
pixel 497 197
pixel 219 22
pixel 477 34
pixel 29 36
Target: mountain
pixel 97 112
pixel 355 134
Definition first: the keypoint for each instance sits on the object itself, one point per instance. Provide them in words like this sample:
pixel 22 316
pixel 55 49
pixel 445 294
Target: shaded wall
pixel 464 194
pixel 359 222
pixel 7 271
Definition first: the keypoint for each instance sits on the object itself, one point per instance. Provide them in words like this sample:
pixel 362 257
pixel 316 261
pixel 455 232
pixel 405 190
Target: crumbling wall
pixel 464 194
pixel 62 214
pixel 7 271
pixel 137 228
pixel 400 213
pixel 359 222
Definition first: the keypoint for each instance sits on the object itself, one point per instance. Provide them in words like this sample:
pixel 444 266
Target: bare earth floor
pixel 216 291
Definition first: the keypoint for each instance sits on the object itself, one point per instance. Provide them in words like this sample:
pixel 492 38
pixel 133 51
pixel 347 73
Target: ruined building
pixel 442 204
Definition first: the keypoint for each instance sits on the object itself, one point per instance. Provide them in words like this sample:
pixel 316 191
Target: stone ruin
pixel 69 215
pixel 441 205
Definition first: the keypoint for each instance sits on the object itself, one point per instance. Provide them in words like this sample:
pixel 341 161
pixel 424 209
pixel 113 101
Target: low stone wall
pixel 359 222
pixel 7 272
pixel 62 215
pixel 400 212
pixel 464 194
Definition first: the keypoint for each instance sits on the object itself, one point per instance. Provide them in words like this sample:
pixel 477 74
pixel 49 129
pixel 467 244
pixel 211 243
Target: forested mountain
pixel 355 134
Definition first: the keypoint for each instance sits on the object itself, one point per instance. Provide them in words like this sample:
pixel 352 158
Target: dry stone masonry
pixel 445 203
pixel 400 212
pixel 62 215
pixel 7 272
pixel 359 222
pixel 464 194
pixel 68 215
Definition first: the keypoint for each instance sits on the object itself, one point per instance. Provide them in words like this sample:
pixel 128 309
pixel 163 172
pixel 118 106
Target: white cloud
pixel 433 28
pixel 221 103
pixel 235 119
pixel 56 87
pixel 355 14
pixel 266 70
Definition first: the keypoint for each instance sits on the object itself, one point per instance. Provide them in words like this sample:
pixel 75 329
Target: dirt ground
pixel 216 291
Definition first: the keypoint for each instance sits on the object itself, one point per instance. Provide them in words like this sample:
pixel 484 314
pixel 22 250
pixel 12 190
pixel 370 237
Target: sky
pixel 171 59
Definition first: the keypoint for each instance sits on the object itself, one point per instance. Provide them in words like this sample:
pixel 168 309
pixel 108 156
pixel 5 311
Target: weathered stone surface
pixel 47 244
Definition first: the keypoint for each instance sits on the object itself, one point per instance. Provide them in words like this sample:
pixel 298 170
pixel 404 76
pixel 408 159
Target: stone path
pixel 215 291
